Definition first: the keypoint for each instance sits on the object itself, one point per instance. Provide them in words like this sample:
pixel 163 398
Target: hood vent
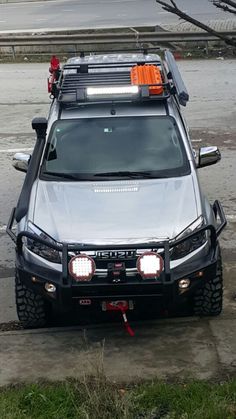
pixel 119 187
pixel 116 190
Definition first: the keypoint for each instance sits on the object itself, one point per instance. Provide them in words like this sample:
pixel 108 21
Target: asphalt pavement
pixel 81 14
pixel 186 347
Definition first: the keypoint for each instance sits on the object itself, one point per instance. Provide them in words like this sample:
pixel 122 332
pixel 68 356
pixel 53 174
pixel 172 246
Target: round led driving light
pixel 150 265
pixel 82 268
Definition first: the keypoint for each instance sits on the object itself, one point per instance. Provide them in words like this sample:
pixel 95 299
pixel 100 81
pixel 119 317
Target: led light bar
pixel 150 265
pixel 82 268
pixel 112 90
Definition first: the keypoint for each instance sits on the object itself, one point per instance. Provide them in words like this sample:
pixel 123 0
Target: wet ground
pixel 164 347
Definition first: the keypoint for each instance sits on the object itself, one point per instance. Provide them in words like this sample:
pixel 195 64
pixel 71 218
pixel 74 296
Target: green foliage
pixel 96 398
pixel 196 400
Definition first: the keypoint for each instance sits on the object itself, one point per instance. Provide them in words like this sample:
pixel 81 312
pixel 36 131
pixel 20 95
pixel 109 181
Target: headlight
pixel 189 245
pixel 40 249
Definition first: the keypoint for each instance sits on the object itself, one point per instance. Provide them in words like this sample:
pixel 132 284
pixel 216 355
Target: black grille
pixel 129 259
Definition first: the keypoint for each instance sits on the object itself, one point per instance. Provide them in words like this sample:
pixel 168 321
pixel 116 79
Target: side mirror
pixel 208 156
pixel 21 162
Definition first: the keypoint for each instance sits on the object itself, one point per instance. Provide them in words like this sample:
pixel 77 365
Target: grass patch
pixel 198 400
pixel 97 398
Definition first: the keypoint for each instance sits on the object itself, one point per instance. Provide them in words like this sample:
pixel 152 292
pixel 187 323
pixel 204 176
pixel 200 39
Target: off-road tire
pixel 208 299
pixel 32 309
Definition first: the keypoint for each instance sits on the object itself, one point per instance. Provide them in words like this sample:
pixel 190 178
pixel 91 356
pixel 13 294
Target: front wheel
pixel 32 309
pixel 208 299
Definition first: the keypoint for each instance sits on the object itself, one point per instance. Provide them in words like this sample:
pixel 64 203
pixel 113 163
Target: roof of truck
pixel 117 78
pixel 115 58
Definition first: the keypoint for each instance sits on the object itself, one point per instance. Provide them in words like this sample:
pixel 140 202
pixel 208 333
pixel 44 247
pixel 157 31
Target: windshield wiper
pixel 131 175
pixel 61 175
pixel 127 174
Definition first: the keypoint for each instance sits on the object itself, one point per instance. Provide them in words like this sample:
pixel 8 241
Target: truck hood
pixel 115 212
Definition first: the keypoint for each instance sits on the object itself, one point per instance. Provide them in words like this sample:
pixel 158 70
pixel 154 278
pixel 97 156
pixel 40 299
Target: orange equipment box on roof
pixel 147 74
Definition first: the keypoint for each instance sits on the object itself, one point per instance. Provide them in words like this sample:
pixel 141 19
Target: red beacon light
pixel 150 265
pixel 54 64
pixel 54 71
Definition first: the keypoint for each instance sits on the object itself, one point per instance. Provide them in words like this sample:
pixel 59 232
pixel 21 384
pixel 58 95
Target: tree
pixel 173 8
pixel 226 5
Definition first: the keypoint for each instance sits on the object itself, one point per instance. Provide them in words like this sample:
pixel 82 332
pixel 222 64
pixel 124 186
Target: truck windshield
pixel 115 147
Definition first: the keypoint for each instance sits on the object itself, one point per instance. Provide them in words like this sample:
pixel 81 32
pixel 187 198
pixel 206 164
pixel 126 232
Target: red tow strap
pixel 127 326
pixel 121 306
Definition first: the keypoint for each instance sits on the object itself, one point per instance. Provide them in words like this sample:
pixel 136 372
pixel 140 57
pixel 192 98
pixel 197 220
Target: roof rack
pixel 106 78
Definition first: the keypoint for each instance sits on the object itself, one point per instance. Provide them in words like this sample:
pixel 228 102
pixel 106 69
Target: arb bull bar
pixel 130 289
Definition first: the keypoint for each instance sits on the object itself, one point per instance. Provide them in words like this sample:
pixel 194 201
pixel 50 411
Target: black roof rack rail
pixel 80 67
pixel 79 96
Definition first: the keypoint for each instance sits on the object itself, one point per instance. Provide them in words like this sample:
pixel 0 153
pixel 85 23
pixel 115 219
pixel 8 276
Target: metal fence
pixel 100 41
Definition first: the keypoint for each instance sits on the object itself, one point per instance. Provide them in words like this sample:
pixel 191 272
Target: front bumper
pixel 133 287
